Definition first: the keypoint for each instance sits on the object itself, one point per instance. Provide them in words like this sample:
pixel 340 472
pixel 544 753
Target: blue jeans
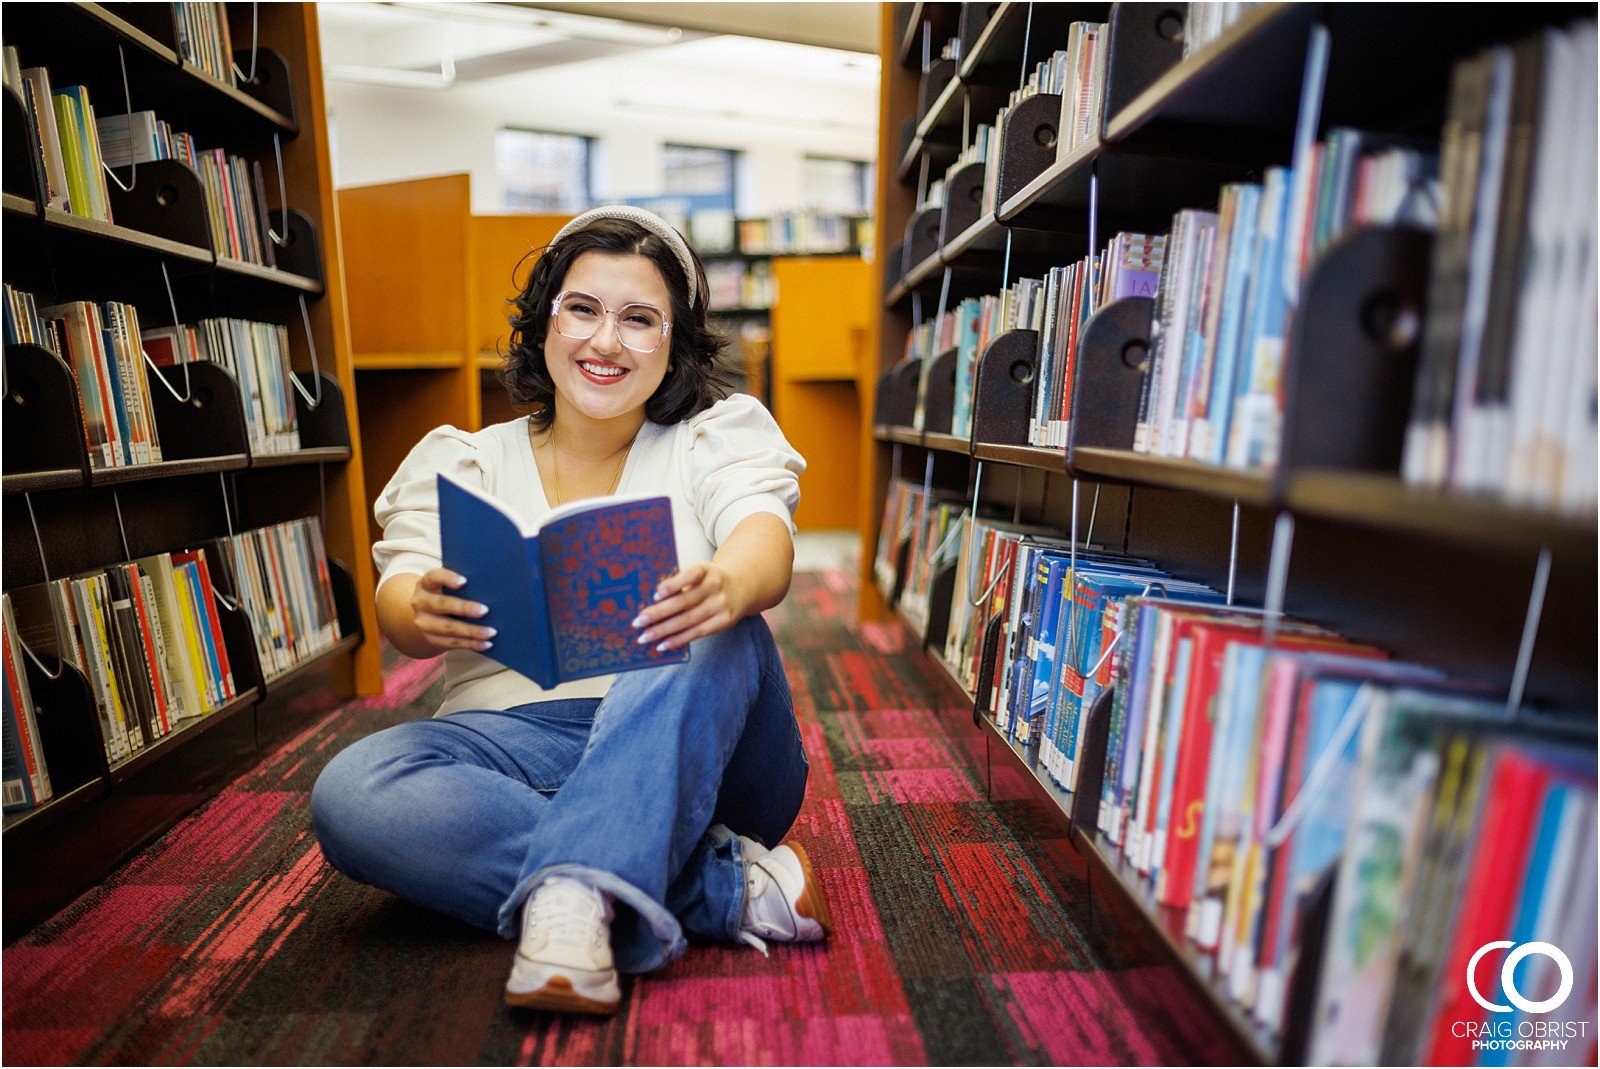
pixel 467 813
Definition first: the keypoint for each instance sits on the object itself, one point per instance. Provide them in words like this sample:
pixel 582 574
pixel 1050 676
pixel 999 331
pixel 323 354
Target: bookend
pixel 894 268
pixel 1109 376
pixel 1091 763
pixel 20 169
pixel 922 236
pixel 69 729
pixel 1145 40
pixel 324 426
pixel 39 383
pixel 272 85
pixel 301 251
pixel 896 402
pixel 1352 353
pixel 167 200
pixel 939 592
pixel 940 73
pixel 1302 997
pixel 908 134
pixel 938 403
pixel 1002 396
pixel 1028 141
pixel 345 605
pixel 238 630
pixel 986 667
pixel 963 202
pixel 974 19
pixel 210 423
pixel 902 570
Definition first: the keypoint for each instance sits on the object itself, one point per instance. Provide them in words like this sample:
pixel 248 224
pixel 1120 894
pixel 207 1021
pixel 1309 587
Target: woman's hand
pixel 699 600
pixel 437 614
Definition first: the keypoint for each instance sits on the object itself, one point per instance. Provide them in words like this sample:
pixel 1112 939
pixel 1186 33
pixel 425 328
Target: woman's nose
pixel 607 337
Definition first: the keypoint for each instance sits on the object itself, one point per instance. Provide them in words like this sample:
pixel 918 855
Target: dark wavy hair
pixel 693 382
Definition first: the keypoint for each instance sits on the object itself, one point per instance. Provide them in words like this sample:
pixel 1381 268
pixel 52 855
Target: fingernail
pixel 489 632
pixel 479 610
pixel 647 638
pixel 638 621
pixel 659 594
pixel 458 582
pixel 486 645
pixel 664 647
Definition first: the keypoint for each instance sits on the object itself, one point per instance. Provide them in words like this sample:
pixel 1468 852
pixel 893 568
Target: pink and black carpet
pixel 962 935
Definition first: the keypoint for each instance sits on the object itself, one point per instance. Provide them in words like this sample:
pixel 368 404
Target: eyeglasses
pixel 640 327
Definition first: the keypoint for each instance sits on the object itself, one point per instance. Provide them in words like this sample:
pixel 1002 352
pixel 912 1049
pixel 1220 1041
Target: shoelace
pixel 568 914
pixel 756 881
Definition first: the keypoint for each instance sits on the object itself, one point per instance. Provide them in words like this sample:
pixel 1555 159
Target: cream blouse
pixel 729 462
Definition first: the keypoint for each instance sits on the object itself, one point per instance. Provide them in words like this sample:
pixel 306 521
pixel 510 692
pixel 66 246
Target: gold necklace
pixel 555 466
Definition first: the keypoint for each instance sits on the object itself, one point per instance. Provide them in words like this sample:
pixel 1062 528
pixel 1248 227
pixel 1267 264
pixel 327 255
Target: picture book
pixel 562 594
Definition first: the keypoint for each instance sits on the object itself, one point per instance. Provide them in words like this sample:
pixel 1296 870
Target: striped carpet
pixel 961 936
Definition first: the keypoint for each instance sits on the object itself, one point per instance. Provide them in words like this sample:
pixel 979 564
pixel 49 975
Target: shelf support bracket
pixel 1233 552
pixel 1278 575
pixel 1530 631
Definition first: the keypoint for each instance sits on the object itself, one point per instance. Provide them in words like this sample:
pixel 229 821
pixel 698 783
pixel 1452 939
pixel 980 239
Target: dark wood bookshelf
pixel 84 520
pixel 318 455
pixel 1228 484
pixel 27 822
pixel 111 234
pixel 1384 501
pixel 1369 556
pixel 182 735
pixel 1165 922
pixel 1022 456
pixel 166 469
pixel 24 482
pixel 16 204
pixel 275 684
pixel 946 443
pixel 903 435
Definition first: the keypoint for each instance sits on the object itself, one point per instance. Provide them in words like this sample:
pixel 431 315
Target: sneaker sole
pixel 558 996
pixel 811 904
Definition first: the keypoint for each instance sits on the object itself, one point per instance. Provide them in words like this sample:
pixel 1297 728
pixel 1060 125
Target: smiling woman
pixel 600 820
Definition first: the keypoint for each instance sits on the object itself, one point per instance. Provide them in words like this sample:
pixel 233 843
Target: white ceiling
pixel 849 26
pixel 526 53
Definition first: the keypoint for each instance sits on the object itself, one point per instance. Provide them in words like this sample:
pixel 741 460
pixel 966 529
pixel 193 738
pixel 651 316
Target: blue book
pixel 563 594
pixel 1260 345
pixel 1206 437
pixel 119 404
pixel 191 576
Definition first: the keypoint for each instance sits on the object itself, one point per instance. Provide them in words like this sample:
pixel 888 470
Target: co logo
pixel 1508 980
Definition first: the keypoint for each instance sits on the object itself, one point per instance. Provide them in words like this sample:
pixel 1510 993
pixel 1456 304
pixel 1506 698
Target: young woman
pixel 600 820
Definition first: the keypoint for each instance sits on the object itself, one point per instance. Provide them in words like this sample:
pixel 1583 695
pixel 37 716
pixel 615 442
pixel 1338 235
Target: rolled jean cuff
pixel 658 941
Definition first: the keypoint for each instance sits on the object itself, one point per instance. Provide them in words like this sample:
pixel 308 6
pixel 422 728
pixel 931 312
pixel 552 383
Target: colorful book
pixel 562 594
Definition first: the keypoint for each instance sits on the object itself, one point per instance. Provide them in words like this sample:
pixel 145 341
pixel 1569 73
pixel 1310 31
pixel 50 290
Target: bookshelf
pixel 1499 595
pixel 65 517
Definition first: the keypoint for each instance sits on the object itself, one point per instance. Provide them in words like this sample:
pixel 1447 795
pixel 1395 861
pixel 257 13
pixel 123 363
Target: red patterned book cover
pixel 561 596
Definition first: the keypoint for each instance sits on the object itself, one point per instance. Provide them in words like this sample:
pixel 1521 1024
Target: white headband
pixel 651 222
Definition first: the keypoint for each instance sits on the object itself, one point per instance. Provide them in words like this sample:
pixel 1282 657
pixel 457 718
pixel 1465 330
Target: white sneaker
pixel 783 902
pixel 563 962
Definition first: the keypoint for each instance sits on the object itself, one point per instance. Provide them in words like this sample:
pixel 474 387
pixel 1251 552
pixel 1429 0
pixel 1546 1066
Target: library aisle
pixel 963 930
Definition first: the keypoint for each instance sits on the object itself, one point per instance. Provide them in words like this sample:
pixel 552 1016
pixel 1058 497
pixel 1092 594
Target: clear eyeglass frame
pixel 555 319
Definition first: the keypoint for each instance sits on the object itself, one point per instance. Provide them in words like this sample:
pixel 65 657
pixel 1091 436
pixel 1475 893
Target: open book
pixel 563 594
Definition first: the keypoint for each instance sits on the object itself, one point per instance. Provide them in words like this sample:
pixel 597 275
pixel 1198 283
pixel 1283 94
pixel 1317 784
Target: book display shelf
pixel 1499 595
pixel 66 517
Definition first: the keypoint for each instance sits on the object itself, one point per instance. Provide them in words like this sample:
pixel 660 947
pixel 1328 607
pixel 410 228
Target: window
pixel 545 172
pixel 838 185
pixel 705 172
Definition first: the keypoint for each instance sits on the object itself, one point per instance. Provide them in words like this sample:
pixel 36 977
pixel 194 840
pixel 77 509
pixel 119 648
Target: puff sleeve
pixel 741 464
pixel 408 508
